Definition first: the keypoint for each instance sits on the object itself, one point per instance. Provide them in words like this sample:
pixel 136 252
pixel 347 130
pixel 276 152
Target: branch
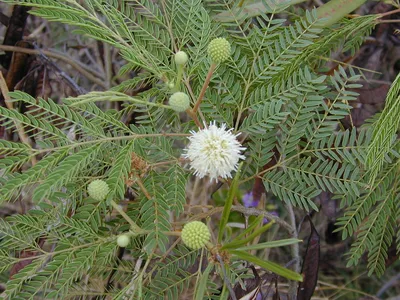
pixel 204 88
pixel 61 57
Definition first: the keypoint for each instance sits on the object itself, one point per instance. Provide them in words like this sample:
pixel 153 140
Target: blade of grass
pixel 228 204
pixel 268 265
pixel 334 10
pixel 202 285
pixel 240 242
pixel 251 227
pixel 271 244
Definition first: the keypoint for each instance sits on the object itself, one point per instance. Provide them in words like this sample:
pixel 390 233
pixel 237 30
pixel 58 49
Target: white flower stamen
pixel 214 152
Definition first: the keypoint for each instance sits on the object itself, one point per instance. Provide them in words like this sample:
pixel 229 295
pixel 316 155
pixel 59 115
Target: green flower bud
pixel 195 235
pixel 171 85
pixel 123 240
pixel 98 189
pixel 179 101
pixel 181 58
pixel 219 50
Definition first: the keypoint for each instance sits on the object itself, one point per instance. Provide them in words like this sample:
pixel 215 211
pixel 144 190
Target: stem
pixel 46 254
pixel 140 278
pixel 166 254
pixel 143 188
pixel 116 99
pixel 389 21
pixel 194 118
pixel 178 79
pixel 134 227
pixel 188 111
pixel 173 233
pixel 115 138
pixel 162 163
pixel 226 280
pixel 204 88
pixel 389 13
pixel 108 65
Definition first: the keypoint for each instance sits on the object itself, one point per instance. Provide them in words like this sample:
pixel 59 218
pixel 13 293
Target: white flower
pixel 214 152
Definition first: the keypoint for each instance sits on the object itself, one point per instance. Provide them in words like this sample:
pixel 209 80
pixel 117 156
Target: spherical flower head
pixel 179 101
pixel 219 50
pixel 195 235
pixel 98 189
pixel 170 85
pixel 214 152
pixel 123 240
pixel 181 58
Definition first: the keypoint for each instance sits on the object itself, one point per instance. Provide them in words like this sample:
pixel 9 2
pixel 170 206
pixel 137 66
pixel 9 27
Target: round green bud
pixel 181 58
pixel 219 50
pixel 179 101
pixel 98 189
pixel 171 85
pixel 195 235
pixel 123 240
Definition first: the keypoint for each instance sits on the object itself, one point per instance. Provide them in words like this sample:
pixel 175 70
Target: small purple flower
pixel 249 201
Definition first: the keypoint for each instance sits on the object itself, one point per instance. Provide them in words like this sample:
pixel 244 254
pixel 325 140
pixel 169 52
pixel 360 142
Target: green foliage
pixel 373 216
pixel 265 117
pixel 268 265
pixel 269 90
pixel 171 279
pixel 154 214
pixel 385 130
pixel 119 171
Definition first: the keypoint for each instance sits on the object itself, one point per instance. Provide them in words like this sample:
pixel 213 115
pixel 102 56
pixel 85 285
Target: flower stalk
pixel 204 88
pixel 135 228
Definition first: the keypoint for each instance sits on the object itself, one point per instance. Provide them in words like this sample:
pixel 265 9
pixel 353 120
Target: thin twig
pixel 20 129
pixel 178 78
pixel 146 265
pixel 389 13
pixel 134 227
pixel 108 65
pixel 70 82
pixel 252 211
pixel 388 21
pixel 226 280
pixel 61 57
pixel 115 138
pixel 392 282
pixel 162 163
pixel 36 32
pixel 194 118
pixel 53 253
pixel 143 188
pixel 165 255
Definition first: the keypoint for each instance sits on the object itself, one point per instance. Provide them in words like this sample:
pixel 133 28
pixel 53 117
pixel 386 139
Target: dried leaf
pixel 15 31
pixel 310 265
